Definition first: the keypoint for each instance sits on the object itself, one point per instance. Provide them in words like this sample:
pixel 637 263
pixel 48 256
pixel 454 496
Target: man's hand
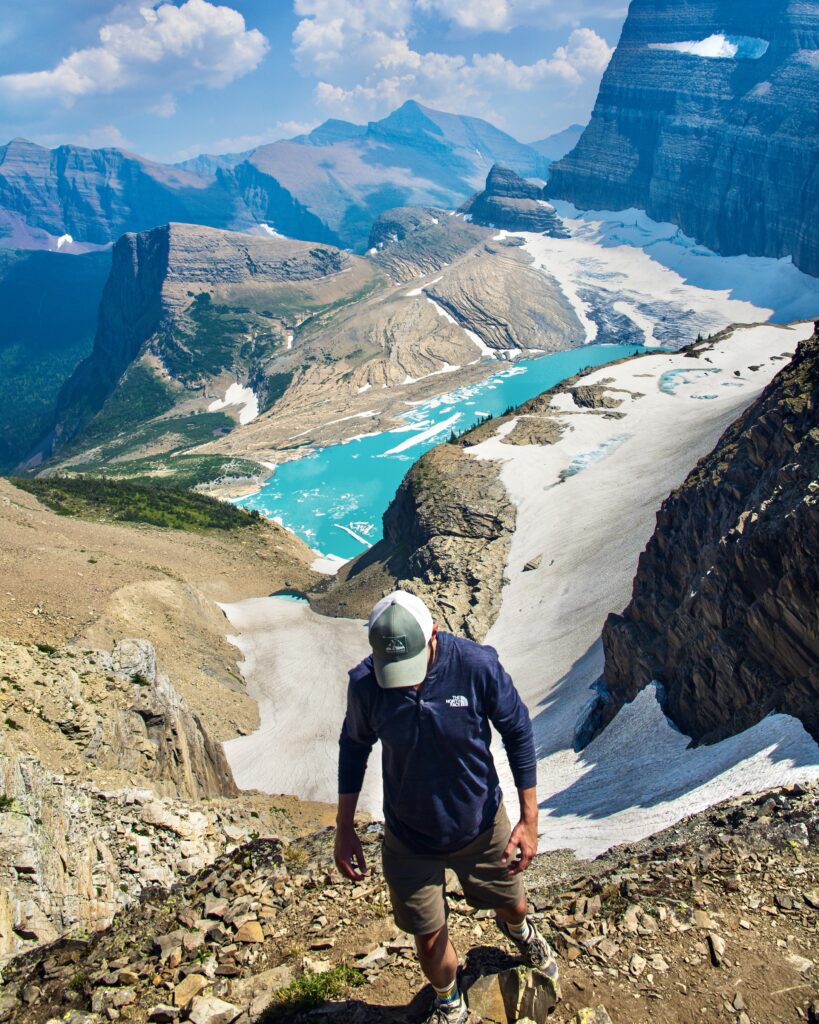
pixel 349 855
pixel 524 841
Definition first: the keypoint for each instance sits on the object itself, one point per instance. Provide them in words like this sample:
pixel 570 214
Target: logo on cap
pixel 395 646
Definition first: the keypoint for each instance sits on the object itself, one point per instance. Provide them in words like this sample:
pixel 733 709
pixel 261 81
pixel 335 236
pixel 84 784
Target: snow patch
pixel 238 395
pixel 64 240
pixel 268 231
pixel 719 47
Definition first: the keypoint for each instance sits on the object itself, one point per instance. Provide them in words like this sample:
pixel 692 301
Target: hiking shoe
pixel 536 951
pixel 449 1013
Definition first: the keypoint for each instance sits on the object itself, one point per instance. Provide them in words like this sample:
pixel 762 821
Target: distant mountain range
pixel 326 186
pixel 708 117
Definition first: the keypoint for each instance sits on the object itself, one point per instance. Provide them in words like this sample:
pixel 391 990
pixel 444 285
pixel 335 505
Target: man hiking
pixel 430 697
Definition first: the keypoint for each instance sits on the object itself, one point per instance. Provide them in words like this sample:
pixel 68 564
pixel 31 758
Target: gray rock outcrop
pixel 724 146
pixel 724 607
pixel 73 850
pixel 446 538
pixel 511 203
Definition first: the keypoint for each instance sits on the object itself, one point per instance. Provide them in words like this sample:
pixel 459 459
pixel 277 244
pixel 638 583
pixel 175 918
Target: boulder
pixel 592 1015
pixel 210 1010
pixel 188 989
pixel 511 995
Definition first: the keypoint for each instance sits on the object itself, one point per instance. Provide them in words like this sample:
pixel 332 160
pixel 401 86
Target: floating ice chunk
pixel 719 47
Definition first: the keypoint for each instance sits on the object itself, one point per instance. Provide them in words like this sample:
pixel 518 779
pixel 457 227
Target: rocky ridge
pixel 327 186
pixel 717 915
pixel 723 612
pixel 446 538
pixel 724 145
pixel 416 241
pixel 511 203
pixel 509 305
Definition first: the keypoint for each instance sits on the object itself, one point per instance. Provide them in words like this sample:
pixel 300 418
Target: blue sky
pixel 170 80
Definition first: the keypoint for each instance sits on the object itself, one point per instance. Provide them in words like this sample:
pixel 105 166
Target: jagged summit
pixel 512 203
pixel 327 185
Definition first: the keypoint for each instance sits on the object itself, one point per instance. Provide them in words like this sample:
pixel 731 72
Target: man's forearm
pixel 528 805
pixel 345 816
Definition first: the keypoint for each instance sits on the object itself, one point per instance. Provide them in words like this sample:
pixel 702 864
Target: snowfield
pixel 238 395
pixel 587 504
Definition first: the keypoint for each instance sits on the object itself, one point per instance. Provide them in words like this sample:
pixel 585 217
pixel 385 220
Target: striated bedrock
pixel 513 204
pixel 447 533
pixel 724 145
pixel 413 241
pixel 724 607
pixel 507 303
pixel 157 296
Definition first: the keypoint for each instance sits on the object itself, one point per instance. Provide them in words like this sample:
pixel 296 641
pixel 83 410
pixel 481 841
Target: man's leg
pixel 514 915
pixel 438 959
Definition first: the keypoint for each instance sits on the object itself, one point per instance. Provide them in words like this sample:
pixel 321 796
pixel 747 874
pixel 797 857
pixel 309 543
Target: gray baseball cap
pixel 400 628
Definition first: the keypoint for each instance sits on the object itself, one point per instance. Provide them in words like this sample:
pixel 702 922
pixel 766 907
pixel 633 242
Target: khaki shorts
pixel 416 881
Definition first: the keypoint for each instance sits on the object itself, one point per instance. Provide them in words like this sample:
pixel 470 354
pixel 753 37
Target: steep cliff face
pixel 158 297
pixel 97 194
pixel 724 608
pixel 130 311
pixel 707 117
pixel 510 202
pixel 72 853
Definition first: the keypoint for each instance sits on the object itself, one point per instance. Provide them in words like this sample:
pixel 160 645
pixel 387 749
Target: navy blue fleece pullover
pixel 441 788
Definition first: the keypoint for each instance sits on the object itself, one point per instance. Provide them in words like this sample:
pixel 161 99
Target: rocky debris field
pixel 715 919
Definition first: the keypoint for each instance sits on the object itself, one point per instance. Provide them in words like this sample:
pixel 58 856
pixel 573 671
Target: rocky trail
pixel 715 919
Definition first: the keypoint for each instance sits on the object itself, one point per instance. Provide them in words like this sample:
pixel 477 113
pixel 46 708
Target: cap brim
pixel 407 672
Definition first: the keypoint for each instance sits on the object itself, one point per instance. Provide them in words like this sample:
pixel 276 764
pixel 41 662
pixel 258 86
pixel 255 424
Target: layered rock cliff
pixel 96 194
pixel 158 298
pixel 707 117
pixel 514 204
pixel 724 608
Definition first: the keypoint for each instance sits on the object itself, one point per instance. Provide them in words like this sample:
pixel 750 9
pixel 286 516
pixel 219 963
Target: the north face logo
pixel 395 646
pixel 457 701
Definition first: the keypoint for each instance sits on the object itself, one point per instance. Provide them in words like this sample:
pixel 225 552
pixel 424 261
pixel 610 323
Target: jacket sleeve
pixel 510 716
pixel 355 743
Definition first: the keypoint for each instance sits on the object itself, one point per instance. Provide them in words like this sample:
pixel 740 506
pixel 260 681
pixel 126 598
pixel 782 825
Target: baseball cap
pixel 400 628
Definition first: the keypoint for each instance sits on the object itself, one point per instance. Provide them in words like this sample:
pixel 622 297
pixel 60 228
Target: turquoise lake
pixel 334 497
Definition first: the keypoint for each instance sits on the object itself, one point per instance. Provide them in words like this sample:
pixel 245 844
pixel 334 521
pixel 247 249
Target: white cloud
pixel 288 129
pixel 226 144
pixel 165 47
pixel 503 15
pixel 337 50
pixel 103 136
